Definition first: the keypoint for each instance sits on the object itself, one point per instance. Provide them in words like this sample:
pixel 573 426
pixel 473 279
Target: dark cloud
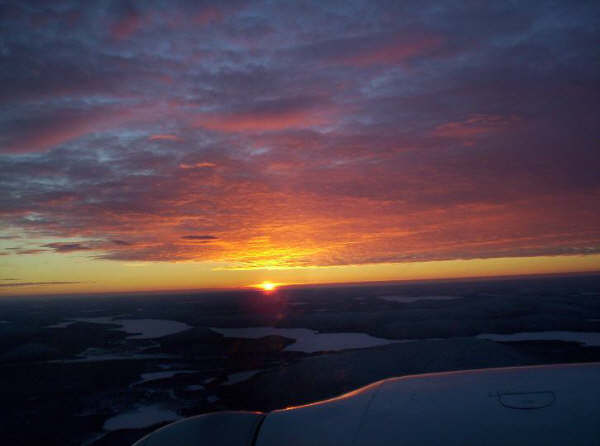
pixel 38 133
pixel 30 251
pixel 34 284
pixel 67 247
pixel 121 242
pixel 199 237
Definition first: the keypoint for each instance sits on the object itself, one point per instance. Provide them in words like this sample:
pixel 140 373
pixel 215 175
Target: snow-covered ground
pixel 152 376
pixel 239 377
pixel 143 416
pixel 138 328
pixel 61 324
pixel 110 357
pixel 409 299
pixel 308 341
pixel 590 339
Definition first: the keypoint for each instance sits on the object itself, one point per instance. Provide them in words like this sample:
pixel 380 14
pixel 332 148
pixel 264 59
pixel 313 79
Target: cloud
pixel 30 251
pixel 372 131
pixel 121 242
pixel 196 165
pixel 199 237
pixel 35 284
pixel 164 137
pixel 207 15
pixel 397 49
pixel 129 20
pixel 475 126
pixel 64 247
pixel 269 116
pixel 42 132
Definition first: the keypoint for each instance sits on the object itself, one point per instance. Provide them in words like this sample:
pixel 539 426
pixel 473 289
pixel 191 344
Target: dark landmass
pixel 60 385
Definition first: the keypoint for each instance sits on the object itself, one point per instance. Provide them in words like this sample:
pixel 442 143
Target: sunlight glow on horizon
pixel 46 274
pixel 267 286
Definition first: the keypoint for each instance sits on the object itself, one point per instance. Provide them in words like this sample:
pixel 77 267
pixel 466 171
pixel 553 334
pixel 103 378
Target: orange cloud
pixel 196 165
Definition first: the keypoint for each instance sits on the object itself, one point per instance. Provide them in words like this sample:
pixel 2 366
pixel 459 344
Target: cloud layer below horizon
pixel 290 134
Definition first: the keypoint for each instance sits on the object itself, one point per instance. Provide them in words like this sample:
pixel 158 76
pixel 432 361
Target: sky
pixel 188 144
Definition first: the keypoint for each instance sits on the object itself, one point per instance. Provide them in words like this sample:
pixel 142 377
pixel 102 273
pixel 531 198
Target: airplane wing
pixel 535 405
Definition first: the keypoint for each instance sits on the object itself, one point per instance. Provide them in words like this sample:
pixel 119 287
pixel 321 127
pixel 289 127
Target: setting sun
pixel 267 286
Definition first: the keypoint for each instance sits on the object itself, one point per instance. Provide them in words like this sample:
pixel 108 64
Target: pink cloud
pixel 401 48
pixel 475 126
pixel 207 15
pixel 164 137
pixel 266 120
pixel 127 25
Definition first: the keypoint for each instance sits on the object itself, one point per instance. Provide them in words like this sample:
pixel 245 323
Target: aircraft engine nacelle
pixel 538 405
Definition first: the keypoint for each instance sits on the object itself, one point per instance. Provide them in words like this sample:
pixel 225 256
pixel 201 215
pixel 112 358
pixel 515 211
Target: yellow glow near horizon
pixel 76 273
pixel 267 286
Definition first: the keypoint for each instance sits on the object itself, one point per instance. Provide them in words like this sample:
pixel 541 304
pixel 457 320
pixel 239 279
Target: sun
pixel 267 286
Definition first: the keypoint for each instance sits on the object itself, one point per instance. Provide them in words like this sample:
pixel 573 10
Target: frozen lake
pixel 308 341
pixel 138 328
pixel 590 339
pixel 409 299
pixel 152 376
pixel 239 377
pixel 85 357
pixel 144 416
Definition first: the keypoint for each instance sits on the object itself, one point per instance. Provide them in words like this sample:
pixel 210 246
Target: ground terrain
pixel 74 371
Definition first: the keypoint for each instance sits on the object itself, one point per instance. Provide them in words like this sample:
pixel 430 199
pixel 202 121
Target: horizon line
pixel 304 285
